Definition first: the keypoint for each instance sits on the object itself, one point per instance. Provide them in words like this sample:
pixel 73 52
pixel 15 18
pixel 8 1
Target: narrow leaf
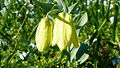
pixel 83 58
pixel 59 3
pixel 97 31
pixel 72 7
pixel 83 20
pixel 65 9
pixel 73 53
pixel 46 6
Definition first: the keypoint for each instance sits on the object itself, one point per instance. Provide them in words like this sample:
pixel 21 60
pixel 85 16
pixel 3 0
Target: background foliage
pixel 97 23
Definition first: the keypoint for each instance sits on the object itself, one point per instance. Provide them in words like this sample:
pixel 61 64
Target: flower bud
pixel 44 34
pixel 64 33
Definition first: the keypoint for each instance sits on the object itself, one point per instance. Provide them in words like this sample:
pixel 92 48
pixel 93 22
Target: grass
pixel 98 35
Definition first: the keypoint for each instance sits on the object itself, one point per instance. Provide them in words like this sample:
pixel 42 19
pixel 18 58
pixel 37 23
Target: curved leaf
pixel 83 20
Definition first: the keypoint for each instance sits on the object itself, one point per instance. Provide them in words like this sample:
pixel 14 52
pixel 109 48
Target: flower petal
pixel 44 34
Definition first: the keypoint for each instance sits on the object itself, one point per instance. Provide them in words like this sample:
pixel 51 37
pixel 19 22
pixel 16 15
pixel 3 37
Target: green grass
pixel 98 35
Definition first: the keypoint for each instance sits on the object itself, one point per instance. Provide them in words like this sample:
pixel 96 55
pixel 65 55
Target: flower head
pixel 64 33
pixel 44 34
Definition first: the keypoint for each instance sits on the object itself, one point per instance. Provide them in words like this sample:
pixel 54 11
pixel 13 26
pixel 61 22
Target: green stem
pixel 115 23
pixel 23 23
pixel 68 57
pixel 95 62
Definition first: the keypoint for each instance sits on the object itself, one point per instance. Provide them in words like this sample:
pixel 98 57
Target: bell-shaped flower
pixel 64 33
pixel 44 34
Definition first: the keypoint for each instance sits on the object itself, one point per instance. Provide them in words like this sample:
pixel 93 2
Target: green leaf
pixel 59 3
pixel 65 52
pixel 97 31
pixel 32 33
pixel 31 67
pixel 73 53
pixel 82 49
pixel 76 53
pixel 46 6
pixel 83 58
pixel 65 9
pixel 72 7
pixel 83 20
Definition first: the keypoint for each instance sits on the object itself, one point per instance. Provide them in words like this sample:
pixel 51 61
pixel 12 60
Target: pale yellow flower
pixel 44 34
pixel 64 33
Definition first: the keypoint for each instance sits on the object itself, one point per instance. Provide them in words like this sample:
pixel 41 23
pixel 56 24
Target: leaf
pixel 65 9
pixel 31 67
pixel 12 55
pixel 32 33
pixel 59 3
pixel 83 20
pixel 65 52
pixel 25 41
pixel 73 53
pixel 62 4
pixel 97 31
pixel 82 49
pixel 93 37
pixel 83 58
pixel 76 53
pixel 46 6
pixel 76 16
pixel 72 7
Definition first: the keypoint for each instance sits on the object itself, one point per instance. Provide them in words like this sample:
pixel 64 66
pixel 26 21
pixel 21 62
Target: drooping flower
pixel 44 34
pixel 64 33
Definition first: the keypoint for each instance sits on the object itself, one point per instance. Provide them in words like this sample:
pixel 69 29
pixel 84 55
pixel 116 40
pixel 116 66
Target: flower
pixel 44 34
pixel 64 33
pixel 23 55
